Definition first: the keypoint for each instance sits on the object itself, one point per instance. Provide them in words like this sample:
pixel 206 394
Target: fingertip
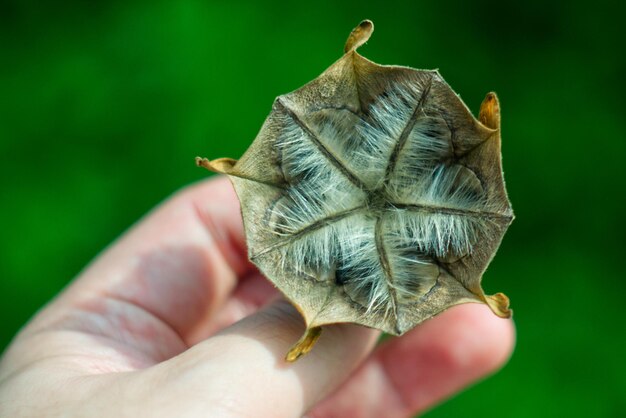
pixel 447 353
pixel 472 338
pixel 497 338
pixel 209 189
pixel 217 207
pixel 465 336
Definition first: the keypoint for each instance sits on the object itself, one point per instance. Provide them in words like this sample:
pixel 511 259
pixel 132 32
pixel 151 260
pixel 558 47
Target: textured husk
pixel 355 83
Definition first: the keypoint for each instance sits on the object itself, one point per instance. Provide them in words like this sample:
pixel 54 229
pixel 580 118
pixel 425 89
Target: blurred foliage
pixel 104 105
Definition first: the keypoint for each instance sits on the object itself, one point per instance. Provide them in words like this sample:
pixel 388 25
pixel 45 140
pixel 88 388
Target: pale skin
pixel 173 320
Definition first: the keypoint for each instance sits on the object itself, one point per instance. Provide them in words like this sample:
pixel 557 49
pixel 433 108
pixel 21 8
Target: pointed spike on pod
pixel 499 304
pixel 489 114
pixel 221 165
pixel 359 35
pixel 304 345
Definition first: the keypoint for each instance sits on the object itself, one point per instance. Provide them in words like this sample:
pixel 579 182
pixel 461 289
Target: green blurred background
pixel 104 105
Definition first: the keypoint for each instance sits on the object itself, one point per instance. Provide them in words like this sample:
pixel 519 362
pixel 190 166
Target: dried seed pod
pixel 372 195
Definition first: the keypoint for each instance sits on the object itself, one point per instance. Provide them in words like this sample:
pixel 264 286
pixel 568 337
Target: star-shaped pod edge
pixel 371 195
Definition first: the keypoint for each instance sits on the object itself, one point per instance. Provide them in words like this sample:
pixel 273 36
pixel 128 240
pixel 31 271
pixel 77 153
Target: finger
pixel 251 294
pixel 253 377
pixel 179 264
pixel 410 374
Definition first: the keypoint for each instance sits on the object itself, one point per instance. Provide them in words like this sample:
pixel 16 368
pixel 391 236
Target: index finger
pixel 179 263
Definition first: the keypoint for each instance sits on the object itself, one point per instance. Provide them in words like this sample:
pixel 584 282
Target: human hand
pixel 174 321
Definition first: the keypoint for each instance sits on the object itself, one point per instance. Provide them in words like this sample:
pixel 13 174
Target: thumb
pixel 241 371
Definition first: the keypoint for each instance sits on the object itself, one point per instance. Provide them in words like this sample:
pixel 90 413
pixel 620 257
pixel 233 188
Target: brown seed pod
pixel 371 195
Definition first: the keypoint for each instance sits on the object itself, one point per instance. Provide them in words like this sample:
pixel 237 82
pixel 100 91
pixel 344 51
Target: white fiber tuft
pixel 351 177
